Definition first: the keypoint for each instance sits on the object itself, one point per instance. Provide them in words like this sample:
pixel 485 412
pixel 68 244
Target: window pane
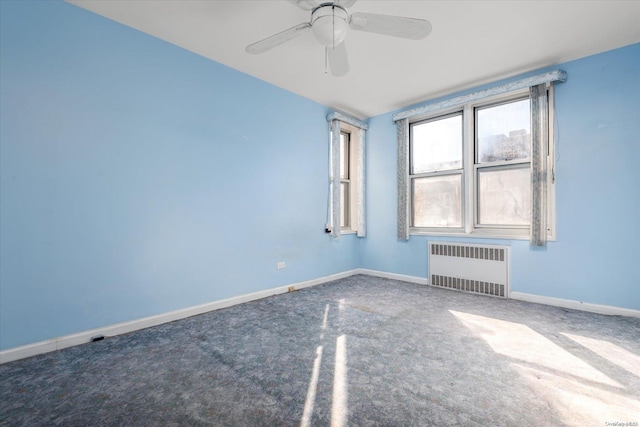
pixel 344 204
pixel 344 156
pixel 504 132
pixel 437 201
pixel 504 196
pixel 436 145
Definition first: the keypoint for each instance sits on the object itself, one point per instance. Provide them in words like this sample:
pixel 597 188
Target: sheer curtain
pixel 335 179
pixel 403 179
pixel 539 154
pixel 361 229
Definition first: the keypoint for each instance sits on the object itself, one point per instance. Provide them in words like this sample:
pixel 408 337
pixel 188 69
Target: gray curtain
pixel 360 190
pixel 335 179
pixel 539 153
pixel 403 179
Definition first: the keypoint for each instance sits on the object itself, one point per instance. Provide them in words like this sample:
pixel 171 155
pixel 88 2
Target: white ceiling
pixel 472 42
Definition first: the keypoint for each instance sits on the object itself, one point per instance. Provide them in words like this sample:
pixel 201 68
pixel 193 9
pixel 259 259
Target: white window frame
pixel 469 205
pixel 447 172
pixel 352 209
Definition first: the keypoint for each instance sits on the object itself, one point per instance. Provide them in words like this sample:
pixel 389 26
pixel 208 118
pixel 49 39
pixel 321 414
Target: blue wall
pixel 596 257
pixel 138 178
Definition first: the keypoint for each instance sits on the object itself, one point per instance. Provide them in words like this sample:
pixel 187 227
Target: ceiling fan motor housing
pixel 330 24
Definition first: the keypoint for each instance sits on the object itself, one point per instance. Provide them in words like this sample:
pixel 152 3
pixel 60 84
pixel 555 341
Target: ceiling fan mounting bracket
pixel 330 3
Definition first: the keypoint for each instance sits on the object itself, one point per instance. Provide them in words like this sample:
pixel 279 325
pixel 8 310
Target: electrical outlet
pixel 281 265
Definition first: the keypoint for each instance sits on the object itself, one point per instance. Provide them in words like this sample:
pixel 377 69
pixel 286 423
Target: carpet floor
pixel 361 351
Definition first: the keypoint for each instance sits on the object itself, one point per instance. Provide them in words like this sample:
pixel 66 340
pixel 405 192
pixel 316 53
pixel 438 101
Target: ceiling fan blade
pixel 397 26
pixel 338 59
pixel 305 4
pixel 278 39
pixel 345 3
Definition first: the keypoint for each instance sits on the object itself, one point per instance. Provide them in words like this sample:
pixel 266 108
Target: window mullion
pixel 468 153
pixel 438 173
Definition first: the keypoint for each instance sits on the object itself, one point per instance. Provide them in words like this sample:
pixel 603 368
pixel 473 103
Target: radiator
pixel 481 269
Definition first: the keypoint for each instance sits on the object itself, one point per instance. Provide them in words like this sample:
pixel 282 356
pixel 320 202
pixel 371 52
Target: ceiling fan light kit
pixel 329 25
pixel 330 22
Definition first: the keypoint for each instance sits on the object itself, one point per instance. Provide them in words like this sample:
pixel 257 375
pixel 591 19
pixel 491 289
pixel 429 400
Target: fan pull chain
pixel 333 32
pixel 326 60
pixel 333 42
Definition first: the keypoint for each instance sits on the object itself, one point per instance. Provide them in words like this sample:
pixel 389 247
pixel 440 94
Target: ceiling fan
pixel 330 22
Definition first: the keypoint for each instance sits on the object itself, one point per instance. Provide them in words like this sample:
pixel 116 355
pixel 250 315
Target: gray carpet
pixel 409 355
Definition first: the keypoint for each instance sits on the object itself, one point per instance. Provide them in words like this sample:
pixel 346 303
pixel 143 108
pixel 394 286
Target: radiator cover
pixel 481 269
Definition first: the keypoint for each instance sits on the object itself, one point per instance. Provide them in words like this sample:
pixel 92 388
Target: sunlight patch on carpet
pixel 339 401
pixel 311 392
pixel 607 350
pixel 522 343
pixel 581 394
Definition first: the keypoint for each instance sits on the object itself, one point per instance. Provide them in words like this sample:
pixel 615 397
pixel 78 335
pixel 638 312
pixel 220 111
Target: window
pixel 345 213
pixel 470 169
pixel 349 165
pixel 436 172
pixel 345 200
pixel 502 164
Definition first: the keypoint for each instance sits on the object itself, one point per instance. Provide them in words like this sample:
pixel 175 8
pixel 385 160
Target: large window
pixel 470 170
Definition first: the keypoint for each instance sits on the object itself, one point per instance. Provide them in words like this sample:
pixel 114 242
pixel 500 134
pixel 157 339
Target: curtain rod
pixel 551 76
pixel 347 119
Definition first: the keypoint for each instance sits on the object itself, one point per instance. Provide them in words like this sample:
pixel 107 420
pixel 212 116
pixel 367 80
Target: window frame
pixel 470 202
pixel 496 165
pixel 437 173
pixel 346 179
pixel 352 209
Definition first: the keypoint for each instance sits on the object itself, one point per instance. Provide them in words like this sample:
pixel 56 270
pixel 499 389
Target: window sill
pixel 478 234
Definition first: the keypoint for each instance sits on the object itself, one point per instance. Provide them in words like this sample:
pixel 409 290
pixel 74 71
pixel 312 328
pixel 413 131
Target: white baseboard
pixel 394 276
pixel 539 299
pixel 557 302
pixel 41 347
pixel 576 305
pixel 59 343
